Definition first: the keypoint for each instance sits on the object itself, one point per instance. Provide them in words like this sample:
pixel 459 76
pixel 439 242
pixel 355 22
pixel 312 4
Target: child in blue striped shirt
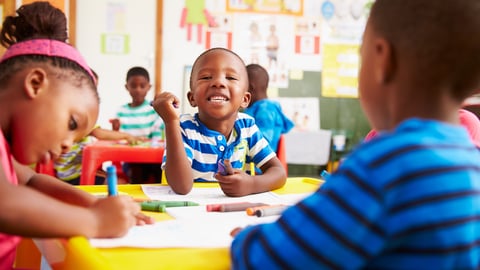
pixel 196 144
pixel 410 198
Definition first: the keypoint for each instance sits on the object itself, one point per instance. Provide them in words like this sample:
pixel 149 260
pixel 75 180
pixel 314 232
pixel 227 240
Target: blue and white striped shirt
pixel 409 199
pixel 205 147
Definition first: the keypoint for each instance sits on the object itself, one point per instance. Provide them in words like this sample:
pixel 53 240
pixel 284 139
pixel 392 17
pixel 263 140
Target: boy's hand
pixel 115 124
pixel 235 185
pixel 165 105
pixel 115 215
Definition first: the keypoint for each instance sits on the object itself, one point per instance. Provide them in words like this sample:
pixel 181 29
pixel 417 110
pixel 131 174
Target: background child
pixel 196 143
pixel 68 167
pixel 48 100
pixel 268 114
pixel 467 119
pixel 409 199
pixel 138 118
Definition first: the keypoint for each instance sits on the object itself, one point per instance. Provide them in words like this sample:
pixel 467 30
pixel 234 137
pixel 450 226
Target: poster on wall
pixel 285 7
pixel 342 30
pixel 219 33
pixel 340 70
pixel 304 112
pixel 266 40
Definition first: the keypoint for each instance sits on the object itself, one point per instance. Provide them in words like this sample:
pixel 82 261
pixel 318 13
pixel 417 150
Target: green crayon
pixel 173 203
pixel 153 206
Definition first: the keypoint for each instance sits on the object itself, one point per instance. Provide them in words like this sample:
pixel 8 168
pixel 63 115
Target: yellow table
pixel 76 252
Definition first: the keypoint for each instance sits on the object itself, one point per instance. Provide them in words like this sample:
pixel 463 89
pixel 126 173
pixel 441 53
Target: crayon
pixel 213 207
pixel 325 175
pixel 270 211
pixel 252 210
pixel 241 206
pixel 153 207
pixel 172 203
pixel 313 181
pixel 112 180
pixel 225 167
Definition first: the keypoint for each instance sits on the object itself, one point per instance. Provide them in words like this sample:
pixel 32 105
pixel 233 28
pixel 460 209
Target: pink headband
pixel 47 47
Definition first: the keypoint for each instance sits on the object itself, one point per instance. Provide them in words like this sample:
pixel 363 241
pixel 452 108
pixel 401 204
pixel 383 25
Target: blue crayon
pixel 325 175
pixel 112 180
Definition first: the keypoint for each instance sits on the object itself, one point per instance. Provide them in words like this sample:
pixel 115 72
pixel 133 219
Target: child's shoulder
pixel 411 135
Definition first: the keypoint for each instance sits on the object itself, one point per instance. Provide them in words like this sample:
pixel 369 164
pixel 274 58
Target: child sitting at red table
pixel 138 118
pixel 48 99
pixel 409 199
pixel 196 144
pixel 68 167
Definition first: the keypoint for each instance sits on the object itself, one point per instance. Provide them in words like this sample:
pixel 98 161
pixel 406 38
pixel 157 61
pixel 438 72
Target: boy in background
pixel 268 114
pixel 218 132
pixel 68 167
pixel 139 119
pixel 410 198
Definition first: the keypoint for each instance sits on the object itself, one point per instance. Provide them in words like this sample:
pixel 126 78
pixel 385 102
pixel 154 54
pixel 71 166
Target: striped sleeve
pixel 401 204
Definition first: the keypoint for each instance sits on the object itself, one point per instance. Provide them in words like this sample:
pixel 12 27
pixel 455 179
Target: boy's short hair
pixel 138 71
pixel 214 49
pixel 438 39
pixel 259 73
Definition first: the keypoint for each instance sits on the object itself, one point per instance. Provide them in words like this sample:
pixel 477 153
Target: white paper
pixel 204 196
pixel 198 232
pixel 193 226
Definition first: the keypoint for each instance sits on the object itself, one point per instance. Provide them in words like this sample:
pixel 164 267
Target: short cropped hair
pixel 438 38
pixel 259 74
pixel 138 71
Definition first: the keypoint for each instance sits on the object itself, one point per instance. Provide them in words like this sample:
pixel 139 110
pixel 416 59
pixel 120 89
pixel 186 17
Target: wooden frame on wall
pixel 9 8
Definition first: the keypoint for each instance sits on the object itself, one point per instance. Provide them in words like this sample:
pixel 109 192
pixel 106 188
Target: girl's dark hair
pixel 38 20
pixel 35 20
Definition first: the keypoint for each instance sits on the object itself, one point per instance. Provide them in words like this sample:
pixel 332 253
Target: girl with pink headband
pixel 49 100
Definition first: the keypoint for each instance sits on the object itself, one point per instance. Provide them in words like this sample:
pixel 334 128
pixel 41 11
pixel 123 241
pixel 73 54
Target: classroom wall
pixel 101 27
pixel 136 19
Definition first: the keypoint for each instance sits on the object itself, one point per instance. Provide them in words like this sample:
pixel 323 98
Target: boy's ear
pixel 247 96
pixel 35 81
pixel 191 100
pixel 385 61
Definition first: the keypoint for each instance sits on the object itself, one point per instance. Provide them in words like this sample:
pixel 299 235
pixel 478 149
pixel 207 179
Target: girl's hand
pixel 116 214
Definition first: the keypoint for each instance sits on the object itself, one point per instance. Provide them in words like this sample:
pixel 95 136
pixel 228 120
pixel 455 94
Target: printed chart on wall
pixel 342 28
pixel 304 112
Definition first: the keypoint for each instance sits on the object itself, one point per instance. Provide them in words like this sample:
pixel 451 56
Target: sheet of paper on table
pixel 195 232
pixel 193 226
pixel 204 196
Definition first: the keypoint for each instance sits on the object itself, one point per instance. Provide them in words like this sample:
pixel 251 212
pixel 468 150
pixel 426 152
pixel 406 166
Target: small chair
pixel 282 153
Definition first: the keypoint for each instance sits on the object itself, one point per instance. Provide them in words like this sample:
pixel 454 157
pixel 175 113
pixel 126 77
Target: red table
pixel 97 153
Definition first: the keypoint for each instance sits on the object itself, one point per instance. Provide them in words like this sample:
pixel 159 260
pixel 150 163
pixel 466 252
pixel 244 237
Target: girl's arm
pixel 52 186
pixel 27 212
pixel 106 134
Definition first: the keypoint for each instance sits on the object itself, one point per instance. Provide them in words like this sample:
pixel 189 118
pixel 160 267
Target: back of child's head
pixel 138 71
pixel 437 39
pixel 195 64
pixel 258 76
pixel 38 35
